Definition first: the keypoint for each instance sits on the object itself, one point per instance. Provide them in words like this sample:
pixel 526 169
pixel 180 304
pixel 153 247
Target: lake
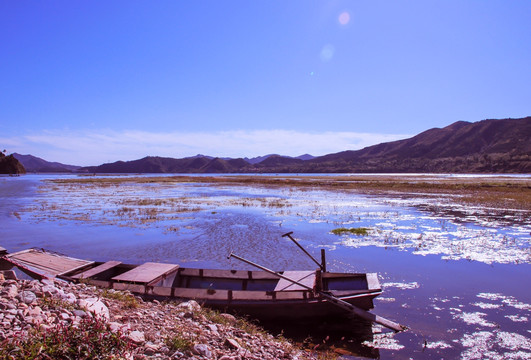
pixel 458 276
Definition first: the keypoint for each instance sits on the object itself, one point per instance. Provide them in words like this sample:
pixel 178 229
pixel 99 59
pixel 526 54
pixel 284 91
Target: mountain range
pixel 35 164
pixel 488 146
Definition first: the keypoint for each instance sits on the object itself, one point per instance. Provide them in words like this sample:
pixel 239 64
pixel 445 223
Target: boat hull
pixel 258 294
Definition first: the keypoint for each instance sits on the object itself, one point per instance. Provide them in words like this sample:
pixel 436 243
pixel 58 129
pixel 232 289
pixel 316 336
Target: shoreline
pixel 32 311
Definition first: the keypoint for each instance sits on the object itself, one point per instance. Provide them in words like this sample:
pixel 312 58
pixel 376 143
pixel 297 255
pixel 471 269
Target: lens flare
pixel 344 18
pixel 327 52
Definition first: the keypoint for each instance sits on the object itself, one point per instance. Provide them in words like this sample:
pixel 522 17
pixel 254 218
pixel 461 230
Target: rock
pixel 202 349
pixel 79 313
pixel 232 344
pixel 191 305
pixel 95 306
pixel 49 290
pixel 8 275
pixel 177 355
pixel 27 297
pixel 150 348
pixel 227 357
pixel 228 318
pixel 188 315
pixel 35 311
pixel 116 326
pixel 11 291
pixel 69 298
pixel 137 337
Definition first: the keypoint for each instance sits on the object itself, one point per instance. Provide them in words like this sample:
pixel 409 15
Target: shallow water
pixel 457 276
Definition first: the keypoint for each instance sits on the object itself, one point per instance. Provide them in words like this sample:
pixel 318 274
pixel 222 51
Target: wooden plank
pixel 147 272
pixel 49 263
pixel 304 277
pixel 97 270
pixel 204 294
pixel 372 281
pixel 228 274
pixel 252 295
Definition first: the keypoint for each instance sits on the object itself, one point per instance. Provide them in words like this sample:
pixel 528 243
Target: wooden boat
pixel 258 294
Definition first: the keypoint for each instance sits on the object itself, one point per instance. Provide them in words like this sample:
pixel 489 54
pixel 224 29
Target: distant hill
pixel 156 164
pixel 488 146
pixel 259 159
pixel 36 164
pixel 10 165
pixel 305 157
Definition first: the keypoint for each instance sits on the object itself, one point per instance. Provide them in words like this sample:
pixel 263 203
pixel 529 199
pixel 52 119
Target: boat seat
pixel 304 277
pixel 147 273
pixel 97 270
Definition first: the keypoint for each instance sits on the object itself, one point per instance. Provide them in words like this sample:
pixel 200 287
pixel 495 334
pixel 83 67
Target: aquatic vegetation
pixel 356 231
pixel 475 318
pixel 401 286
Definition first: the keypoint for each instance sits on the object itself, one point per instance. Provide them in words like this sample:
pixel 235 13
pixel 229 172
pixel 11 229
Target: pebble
pixel 202 349
pixel 136 336
pixel 27 297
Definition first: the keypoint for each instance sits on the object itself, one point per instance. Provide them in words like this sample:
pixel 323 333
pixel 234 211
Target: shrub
pixel 90 339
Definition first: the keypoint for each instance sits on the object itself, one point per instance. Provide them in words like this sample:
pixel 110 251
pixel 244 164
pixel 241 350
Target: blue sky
pixel 88 82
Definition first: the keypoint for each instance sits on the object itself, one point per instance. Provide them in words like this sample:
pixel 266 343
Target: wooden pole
pixel 332 299
pixel 303 249
pixel 323 260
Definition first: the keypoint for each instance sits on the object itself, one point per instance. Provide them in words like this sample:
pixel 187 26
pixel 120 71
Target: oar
pixel 332 299
pixel 322 266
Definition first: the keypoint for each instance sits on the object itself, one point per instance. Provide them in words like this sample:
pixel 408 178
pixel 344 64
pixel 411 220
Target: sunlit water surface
pixel 458 277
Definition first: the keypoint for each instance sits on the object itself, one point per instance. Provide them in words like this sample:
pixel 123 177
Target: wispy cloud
pixel 96 147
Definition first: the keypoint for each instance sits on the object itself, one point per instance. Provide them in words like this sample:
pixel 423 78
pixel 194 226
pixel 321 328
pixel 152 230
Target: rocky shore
pixel 31 309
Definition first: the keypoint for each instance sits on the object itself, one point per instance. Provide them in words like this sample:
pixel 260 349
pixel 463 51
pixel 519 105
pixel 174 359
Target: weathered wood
pixel 227 274
pixel 202 294
pixel 306 278
pixel 252 295
pixel 97 270
pixel 45 263
pixel 147 272
pixel 372 281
